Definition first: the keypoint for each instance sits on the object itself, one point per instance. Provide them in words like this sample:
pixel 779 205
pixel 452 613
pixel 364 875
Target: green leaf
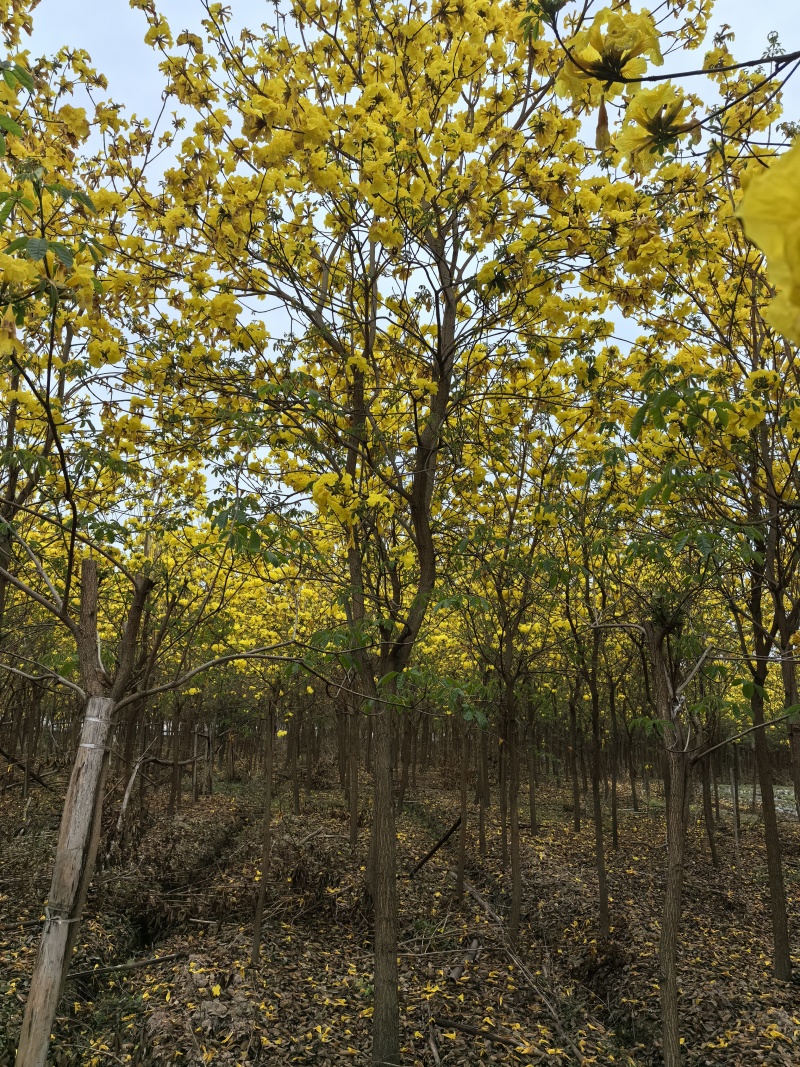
pixel 15 245
pixel 10 126
pixel 638 421
pixel 84 199
pixel 36 248
pixel 23 77
pixel 704 544
pixel 62 253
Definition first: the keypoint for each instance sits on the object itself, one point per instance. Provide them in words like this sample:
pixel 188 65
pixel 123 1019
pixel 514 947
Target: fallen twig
pixel 31 773
pixel 473 1031
pixel 429 855
pixel 469 957
pixel 128 966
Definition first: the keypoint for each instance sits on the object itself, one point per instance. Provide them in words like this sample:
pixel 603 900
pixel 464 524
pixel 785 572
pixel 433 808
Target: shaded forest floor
pixel 184 888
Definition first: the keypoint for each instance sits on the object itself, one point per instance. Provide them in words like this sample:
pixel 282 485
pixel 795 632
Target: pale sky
pixel 113 35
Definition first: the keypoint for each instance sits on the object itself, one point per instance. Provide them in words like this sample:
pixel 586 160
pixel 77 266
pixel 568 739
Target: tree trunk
pixel 612 707
pixel 462 831
pixel 780 930
pixel 352 761
pixel 74 862
pixel 294 751
pixel 735 804
pixel 414 757
pixel 266 838
pixel 405 760
pixel 502 769
pixel 671 914
pixel 599 846
pixel 715 783
pixel 173 804
pixel 484 791
pixel 708 812
pixel 513 805
pixel 208 785
pixel 386 1020
pixel 79 832
pixel 308 735
pixel 573 761
pixel 666 698
pixel 632 774
pixel 342 739
pixel 532 814
pixel 794 746
pixel 195 758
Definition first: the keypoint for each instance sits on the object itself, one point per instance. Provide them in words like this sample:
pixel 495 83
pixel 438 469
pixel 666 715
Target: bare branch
pixel 54 609
pixel 51 676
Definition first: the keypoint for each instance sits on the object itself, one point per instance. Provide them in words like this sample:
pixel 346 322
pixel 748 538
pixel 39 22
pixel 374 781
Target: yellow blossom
pixel 770 214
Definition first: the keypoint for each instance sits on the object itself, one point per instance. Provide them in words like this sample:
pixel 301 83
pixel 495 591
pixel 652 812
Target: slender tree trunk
pixel 735 804
pixel 599 846
pixel 352 759
pixel 632 773
pixel 671 914
pixel 195 759
pixel 484 791
pixel 780 930
pixel 677 767
pixel 208 786
pixel 612 707
pixel 309 746
pixel 405 760
pixel 502 756
pixel 231 754
pixel 715 783
pixel 573 760
pixel 294 756
pixel 266 837
pixel 385 1021
pixel 513 806
pixel 754 791
pixel 173 804
pixel 414 736
pixel 30 731
pixel 462 830
pixel 342 740
pixel 708 812
pixel 791 697
pixel 532 815
pixel 794 746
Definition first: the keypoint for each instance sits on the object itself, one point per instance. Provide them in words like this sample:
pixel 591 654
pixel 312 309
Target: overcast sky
pixel 113 35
